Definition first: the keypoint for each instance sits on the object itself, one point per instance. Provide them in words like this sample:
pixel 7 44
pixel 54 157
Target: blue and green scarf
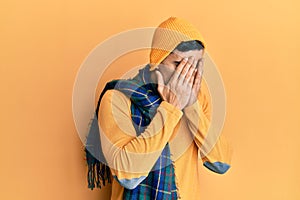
pixel 145 99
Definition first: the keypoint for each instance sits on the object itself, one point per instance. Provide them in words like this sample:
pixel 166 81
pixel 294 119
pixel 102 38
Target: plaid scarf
pixel 145 99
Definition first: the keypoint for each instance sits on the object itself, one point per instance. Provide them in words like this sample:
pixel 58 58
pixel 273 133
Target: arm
pixel 198 116
pixel 131 158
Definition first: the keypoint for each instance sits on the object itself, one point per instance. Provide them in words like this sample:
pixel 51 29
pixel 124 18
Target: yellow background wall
pixel 255 44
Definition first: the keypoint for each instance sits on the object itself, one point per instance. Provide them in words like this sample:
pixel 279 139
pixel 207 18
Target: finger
pixel 160 81
pixel 201 76
pixel 191 81
pixel 178 69
pixel 198 77
pixel 200 65
pixel 197 81
pixel 190 72
pixel 185 70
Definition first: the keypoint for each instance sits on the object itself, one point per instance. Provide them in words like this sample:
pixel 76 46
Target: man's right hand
pixel 179 88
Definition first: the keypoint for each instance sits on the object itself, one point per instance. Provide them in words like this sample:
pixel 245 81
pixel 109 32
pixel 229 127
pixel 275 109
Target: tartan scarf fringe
pixel 98 173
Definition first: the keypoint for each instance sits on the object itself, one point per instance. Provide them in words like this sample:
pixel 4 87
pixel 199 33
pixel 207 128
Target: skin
pixel 179 77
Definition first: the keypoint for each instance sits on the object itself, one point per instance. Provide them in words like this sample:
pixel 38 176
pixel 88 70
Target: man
pixel 153 127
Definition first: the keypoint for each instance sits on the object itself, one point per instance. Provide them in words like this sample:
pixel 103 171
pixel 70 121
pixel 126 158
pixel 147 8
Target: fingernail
pixel 185 59
pixel 191 60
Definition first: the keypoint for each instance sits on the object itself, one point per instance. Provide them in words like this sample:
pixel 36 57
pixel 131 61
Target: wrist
pixel 191 106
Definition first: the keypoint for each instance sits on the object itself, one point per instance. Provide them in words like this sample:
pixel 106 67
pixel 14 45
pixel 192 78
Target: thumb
pixel 160 81
pixel 160 78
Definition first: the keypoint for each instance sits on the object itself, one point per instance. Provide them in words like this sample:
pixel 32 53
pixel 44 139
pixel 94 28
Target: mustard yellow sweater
pixel 131 158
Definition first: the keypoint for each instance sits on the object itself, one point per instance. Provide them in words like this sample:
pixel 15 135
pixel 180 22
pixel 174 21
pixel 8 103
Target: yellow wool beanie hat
pixel 168 35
